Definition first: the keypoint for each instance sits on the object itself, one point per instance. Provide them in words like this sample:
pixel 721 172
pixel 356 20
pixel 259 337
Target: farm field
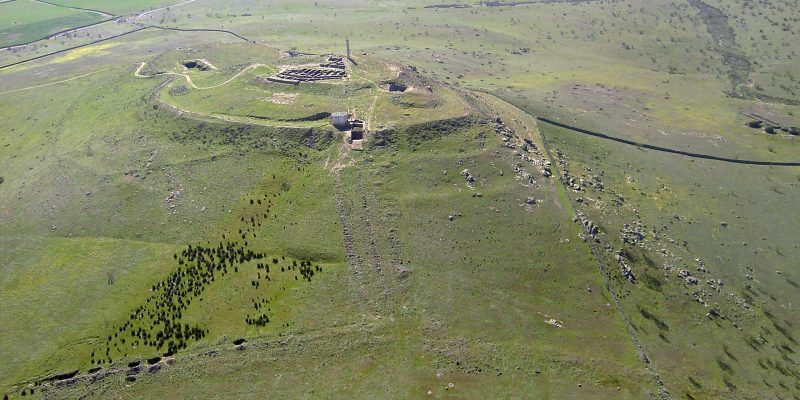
pixel 26 21
pixel 183 215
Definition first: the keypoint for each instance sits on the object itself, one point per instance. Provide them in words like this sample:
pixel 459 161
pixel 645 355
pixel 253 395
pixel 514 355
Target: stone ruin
pixel 355 136
pixel 357 129
pixel 201 65
pixel 334 62
pixel 333 68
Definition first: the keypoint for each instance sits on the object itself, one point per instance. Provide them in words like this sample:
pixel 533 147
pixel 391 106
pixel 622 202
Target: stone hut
pixel 357 130
pixel 340 119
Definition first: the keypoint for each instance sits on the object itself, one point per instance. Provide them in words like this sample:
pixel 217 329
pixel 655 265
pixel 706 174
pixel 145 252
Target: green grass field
pixel 447 259
pixel 25 21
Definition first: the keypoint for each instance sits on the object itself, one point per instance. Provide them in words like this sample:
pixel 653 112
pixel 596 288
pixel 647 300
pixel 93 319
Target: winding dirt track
pixel 222 117
pixel 138 74
pixel 55 83
pixel 163 8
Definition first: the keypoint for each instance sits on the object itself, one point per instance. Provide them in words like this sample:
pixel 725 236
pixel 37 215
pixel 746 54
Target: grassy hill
pixel 172 232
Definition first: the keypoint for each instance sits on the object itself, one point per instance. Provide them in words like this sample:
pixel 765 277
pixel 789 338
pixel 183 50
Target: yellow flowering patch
pixel 68 56
pixel 82 52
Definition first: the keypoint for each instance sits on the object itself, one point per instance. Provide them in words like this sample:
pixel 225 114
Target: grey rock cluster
pixel 469 178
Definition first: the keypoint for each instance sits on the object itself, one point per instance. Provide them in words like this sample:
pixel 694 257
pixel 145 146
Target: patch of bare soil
pixel 282 98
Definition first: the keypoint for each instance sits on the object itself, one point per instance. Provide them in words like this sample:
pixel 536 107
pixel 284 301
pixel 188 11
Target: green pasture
pixel 26 21
pixel 427 288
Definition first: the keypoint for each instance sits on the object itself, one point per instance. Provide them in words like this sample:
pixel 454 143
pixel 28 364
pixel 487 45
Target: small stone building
pixel 357 130
pixel 340 119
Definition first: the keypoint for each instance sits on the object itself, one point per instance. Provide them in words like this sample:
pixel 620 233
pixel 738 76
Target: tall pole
pixel 347 45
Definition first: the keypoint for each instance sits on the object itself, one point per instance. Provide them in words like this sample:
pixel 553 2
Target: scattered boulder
pixel 153 360
pixel 625 269
pixel 687 276
pixel 403 273
pixel 546 170
pixel 469 178
pixel 755 124
pixel 554 322
pixel 130 378
pixel 587 224
pixel 239 341
pixel 178 90
pixel 531 200
pixel 633 234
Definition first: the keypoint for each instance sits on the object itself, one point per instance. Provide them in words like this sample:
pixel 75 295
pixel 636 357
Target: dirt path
pixel 365 231
pixel 370 114
pixel 234 119
pixel 54 83
pixel 163 8
pixel 138 74
pixel 223 117
pixel 343 160
pixel 354 261
pixel 368 214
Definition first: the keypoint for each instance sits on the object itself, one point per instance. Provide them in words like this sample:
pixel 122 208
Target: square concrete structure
pixel 340 119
